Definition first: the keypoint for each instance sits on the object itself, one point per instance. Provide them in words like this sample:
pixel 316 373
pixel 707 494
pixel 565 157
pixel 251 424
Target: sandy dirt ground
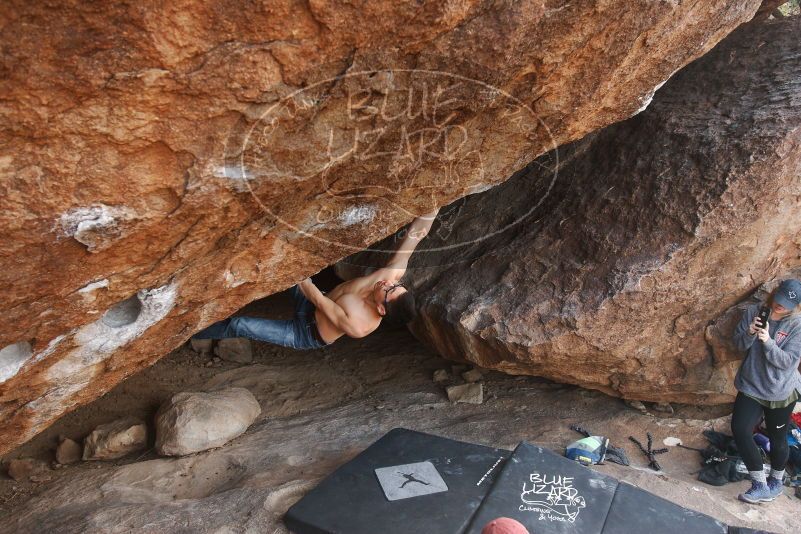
pixel 320 409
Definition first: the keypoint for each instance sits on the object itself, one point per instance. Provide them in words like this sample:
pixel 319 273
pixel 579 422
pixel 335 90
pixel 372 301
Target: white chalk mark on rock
pixel 89 288
pixel 123 313
pixel 357 215
pixel 233 173
pixel 232 281
pixel 96 226
pixel 479 188
pixel 50 347
pixel 12 358
pixel 88 291
pixel 649 96
pixel 127 321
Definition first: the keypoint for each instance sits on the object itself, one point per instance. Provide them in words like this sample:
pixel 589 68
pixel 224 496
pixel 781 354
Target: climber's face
pixel 385 292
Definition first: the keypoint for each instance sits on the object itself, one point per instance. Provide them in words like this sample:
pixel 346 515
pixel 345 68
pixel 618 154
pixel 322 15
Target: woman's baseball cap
pixel 788 294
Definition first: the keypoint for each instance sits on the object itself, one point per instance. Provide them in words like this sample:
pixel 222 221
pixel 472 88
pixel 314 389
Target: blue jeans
pixel 296 333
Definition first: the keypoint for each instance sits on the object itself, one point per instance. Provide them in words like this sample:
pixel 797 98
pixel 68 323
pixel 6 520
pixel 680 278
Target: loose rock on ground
pixel 473 375
pixel 238 350
pixel 201 346
pixel 68 452
pixel 441 375
pixel 467 393
pixel 196 421
pixel 115 440
pixel 23 469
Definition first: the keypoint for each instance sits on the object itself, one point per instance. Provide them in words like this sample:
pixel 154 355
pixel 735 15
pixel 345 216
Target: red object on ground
pixel 504 525
pixel 797 418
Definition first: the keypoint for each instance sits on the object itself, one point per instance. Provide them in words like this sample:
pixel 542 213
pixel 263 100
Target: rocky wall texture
pixel 162 164
pixel 619 262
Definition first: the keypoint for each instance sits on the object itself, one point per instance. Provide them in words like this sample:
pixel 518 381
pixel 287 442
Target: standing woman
pixel 768 383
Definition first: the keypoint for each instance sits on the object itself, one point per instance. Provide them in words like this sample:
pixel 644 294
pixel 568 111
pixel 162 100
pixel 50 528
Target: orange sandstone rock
pixel 163 165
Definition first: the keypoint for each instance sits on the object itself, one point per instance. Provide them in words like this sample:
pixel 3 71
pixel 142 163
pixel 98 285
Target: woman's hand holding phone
pixel 760 324
pixel 763 334
pixel 753 328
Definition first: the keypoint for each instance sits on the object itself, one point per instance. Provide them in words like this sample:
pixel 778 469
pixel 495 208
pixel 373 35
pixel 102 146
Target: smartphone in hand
pixel 762 318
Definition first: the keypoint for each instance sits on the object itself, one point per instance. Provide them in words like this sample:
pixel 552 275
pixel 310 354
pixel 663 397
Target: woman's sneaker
pixel 758 493
pixel 775 486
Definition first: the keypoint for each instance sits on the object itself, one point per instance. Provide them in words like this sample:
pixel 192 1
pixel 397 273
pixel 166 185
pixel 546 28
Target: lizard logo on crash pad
pixel 553 496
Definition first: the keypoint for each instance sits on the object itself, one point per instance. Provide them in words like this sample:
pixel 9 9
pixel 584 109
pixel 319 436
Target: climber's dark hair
pixel 402 310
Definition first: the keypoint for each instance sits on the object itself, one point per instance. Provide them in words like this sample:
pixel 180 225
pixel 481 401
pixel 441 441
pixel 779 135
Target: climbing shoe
pixel 775 487
pixel 758 493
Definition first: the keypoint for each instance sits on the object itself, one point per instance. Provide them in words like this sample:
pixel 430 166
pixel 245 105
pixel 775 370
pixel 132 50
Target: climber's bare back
pixel 353 296
pixel 355 308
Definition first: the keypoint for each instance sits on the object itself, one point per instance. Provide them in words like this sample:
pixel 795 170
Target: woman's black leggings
pixel 747 413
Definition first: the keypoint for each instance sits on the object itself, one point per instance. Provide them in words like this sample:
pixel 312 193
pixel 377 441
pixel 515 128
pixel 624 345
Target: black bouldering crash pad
pixel 427 484
pixel 410 482
pixel 547 493
pixel 635 510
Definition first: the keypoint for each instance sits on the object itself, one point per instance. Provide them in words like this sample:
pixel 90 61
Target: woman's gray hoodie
pixel 769 370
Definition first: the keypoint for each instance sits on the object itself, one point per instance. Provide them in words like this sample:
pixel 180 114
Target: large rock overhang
pixel 151 188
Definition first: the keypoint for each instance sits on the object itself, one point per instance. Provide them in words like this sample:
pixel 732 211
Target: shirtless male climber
pixel 353 308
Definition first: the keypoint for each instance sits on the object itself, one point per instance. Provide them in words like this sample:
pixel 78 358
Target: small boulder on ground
pixel 237 349
pixel 663 407
pixel 68 451
pixel 637 405
pixel 24 469
pixel 441 375
pixel 201 346
pixel 473 375
pixel 196 421
pixel 467 393
pixel 115 440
